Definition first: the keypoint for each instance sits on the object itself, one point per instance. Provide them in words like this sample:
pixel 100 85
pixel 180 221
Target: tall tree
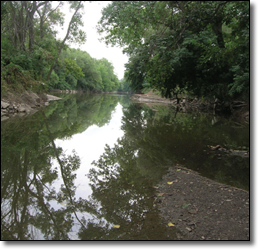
pixel 47 13
pixel 182 45
pixel 73 33
pixel 21 22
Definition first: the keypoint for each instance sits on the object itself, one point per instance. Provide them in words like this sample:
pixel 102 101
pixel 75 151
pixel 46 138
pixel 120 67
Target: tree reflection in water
pixel 121 180
pixel 27 174
pixel 28 210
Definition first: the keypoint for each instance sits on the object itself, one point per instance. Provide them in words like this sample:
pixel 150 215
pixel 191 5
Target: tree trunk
pixel 17 31
pixel 63 42
pixel 30 14
pixel 217 27
pixel 31 31
pixel 22 22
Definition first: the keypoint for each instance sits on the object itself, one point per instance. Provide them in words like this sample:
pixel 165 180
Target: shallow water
pixel 87 164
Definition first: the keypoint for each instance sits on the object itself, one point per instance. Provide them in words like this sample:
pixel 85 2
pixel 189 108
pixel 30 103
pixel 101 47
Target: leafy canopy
pixel 200 47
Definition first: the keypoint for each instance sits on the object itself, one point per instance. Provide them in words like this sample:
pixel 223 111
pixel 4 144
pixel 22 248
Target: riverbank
pixel 200 208
pixel 71 91
pixel 238 109
pixel 24 103
pixel 29 102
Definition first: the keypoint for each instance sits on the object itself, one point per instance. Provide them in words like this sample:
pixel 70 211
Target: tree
pixel 48 16
pixel 109 79
pixel 28 40
pixel 182 45
pixel 124 85
pixel 73 33
pixel 31 54
pixel 134 73
pixel 20 23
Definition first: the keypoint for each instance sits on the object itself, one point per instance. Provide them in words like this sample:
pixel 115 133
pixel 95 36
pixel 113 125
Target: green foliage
pixel 174 46
pixel 33 51
pixel 15 78
pixel 23 60
pixel 73 68
pixel 76 69
pixel 124 85
pixel 109 79
pixel 134 73
pixel 54 80
pixel 241 82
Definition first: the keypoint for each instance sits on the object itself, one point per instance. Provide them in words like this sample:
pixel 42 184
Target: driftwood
pixel 238 106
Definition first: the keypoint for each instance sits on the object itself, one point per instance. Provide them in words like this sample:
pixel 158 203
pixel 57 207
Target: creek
pixel 85 167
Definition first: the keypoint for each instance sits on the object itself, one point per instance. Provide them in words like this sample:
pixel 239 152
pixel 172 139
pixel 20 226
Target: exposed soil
pixel 24 103
pixel 202 209
pixel 151 96
pixel 238 109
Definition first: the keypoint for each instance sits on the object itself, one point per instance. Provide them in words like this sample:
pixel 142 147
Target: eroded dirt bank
pixel 238 109
pixel 27 102
pixel 202 209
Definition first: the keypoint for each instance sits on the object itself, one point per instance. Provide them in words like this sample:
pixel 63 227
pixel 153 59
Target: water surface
pixel 89 162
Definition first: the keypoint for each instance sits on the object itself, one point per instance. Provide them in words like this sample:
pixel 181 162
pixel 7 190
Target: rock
pixel 11 109
pixel 52 97
pixel 33 95
pixel 27 102
pixel 24 108
pixel 4 105
pixel 4 111
pixel 214 147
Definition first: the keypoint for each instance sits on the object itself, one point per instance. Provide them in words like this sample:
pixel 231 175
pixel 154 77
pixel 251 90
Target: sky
pixel 96 49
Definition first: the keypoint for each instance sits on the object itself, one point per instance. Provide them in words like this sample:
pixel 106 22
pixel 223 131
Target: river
pixel 85 167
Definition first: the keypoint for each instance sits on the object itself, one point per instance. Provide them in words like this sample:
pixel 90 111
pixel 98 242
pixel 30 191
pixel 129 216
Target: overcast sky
pixel 96 49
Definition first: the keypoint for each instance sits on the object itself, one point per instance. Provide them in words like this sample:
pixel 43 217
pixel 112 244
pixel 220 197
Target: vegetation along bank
pixel 199 49
pixel 34 61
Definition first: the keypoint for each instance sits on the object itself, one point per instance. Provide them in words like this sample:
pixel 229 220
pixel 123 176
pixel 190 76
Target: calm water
pixel 89 162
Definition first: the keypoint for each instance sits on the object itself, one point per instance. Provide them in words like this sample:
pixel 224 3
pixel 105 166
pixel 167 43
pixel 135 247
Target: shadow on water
pixel 40 199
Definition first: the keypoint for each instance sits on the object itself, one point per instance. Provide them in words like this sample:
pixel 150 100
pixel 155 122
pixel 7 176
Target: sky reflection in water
pixel 89 146
pixel 124 149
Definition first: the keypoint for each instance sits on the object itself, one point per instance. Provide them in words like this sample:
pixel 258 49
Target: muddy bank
pixel 185 105
pixel 67 91
pixel 238 109
pixel 26 103
pixel 202 209
pixel 150 97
